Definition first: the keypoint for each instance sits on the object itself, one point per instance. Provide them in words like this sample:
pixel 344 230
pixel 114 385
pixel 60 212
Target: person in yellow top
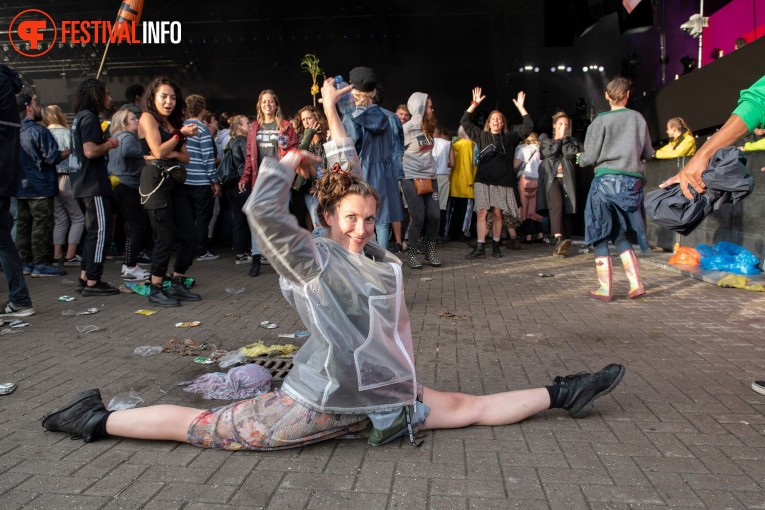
pixel 682 141
pixel 756 145
pixel 462 177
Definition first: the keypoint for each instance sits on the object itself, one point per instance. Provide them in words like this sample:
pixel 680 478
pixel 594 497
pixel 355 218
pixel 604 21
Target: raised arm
pixel 472 129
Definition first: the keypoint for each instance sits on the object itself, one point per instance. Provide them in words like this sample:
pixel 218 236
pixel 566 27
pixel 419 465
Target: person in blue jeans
pixel 19 303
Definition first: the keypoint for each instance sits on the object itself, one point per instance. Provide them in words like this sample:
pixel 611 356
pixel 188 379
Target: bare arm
pixel 731 131
pixel 149 130
pixel 96 150
pixel 330 96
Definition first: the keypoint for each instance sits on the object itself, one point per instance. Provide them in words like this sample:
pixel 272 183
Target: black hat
pixel 363 79
pixel 23 100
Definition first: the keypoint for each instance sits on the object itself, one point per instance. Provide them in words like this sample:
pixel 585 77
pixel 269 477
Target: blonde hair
pixel 53 115
pixel 532 139
pixel 119 121
pixel 234 122
pixel 363 98
pixel 618 88
pixel 679 124
pixel 278 114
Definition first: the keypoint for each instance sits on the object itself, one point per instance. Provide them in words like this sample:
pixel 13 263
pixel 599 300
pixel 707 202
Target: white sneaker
pixel 208 255
pixel 137 273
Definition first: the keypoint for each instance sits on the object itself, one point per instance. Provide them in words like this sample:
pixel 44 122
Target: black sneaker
pixel 396 248
pixel 142 258
pixel 100 289
pixel 496 252
pixel 578 392
pixel 80 418
pixel 81 284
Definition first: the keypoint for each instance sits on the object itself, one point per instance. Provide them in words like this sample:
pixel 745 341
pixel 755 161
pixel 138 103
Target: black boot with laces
pixel 180 292
pixel 576 393
pixel 83 418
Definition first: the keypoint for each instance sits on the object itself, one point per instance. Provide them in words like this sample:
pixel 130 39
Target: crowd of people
pixel 321 194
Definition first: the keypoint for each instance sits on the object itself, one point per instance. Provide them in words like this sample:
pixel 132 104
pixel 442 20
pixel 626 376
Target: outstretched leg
pixel 162 422
pixel 455 410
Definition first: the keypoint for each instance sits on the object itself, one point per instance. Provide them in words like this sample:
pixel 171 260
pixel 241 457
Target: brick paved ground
pixel 683 430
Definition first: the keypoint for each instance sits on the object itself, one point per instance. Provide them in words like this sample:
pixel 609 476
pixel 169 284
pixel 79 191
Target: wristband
pixel 111 142
pixel 177 134
pixel 474 103
pixel 302 159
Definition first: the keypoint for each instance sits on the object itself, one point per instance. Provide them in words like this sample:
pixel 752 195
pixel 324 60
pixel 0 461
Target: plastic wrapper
pixel 232 358
pixel 728 257
pixel 147 350
pixel 121 402
pixel 739 282
pixel 686 256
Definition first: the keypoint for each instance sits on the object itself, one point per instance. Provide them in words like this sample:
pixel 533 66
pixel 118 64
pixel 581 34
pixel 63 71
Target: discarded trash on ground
pixel 725 256
pixel 18 323
pixel 448 315
pixel 296 334
pixel 66 282
pixel 144 289
pixel 239 383
pixel 87 329
pixel 145 312
pixel 66 298
pixel 118 403
pixel 546 275
pixel 7 388
pixel 260 349
pixel 203 361
pixel 232 358
pixel 232 290
pixel 147 350
pixel 187 324
pixel 685 256
pixel 739 282
pixel 187 347
pixel 426 279
pixel 9 331
pixel 268 325
pixel 89 311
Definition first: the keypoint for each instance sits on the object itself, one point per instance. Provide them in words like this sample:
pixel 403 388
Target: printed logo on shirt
pixel 267 140
pixel 424 142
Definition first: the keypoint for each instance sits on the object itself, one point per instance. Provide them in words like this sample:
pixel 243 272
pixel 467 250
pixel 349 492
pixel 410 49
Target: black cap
pixel 363 79
pixel 23 100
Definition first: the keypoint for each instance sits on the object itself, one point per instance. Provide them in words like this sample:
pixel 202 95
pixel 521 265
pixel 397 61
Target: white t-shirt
pixel 529 156
pixel 441 155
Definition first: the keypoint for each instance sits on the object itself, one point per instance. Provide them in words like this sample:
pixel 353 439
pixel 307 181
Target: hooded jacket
pixel 557 153
pixel 126 160
pixel 359 358
pixel 371 132
pixel 418 146
pixel 10 85
pixel 37 161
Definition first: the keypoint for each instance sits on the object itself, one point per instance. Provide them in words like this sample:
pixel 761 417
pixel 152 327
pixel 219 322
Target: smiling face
pixel 403 115
pixel 496 123
pixel 165 100
pixel 268 105
pixel 352 224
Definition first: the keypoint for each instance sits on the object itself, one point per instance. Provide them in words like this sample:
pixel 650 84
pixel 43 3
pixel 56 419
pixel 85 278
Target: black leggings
pixel 560 223
pixel 129 202
pixel 240 227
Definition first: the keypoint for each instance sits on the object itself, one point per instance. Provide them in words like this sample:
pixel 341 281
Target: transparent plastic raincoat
pixel 359 358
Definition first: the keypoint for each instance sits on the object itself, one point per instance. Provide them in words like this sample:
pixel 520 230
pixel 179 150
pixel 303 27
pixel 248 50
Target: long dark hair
pixel 90 95
pixel 176 116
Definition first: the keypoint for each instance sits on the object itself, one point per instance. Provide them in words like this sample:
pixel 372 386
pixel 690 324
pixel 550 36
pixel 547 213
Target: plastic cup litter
pixel 232 290
pixel 120 402
pixel 268 325
pixel 232 358
pixel 87 329
pixel 18 324
pixel 7 388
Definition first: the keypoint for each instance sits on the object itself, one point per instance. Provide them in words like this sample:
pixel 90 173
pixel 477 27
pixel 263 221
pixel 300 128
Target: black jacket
pixel 10 85
pixel 553 153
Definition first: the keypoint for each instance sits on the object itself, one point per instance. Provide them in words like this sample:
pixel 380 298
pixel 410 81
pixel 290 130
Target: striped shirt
pixel 201 168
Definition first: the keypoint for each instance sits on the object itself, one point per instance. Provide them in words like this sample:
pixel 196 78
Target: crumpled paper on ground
pixel 260 349
pixel 187 347
pixel 449 315
pixel 240 382
pixel 739 282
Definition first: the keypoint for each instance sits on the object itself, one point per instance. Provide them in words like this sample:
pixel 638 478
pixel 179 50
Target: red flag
pixel 130 10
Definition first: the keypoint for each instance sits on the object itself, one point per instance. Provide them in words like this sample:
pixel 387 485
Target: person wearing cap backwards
pixel 370 131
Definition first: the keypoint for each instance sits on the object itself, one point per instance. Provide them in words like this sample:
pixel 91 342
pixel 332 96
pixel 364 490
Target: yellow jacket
pixel 686 147
pixel 759 145
pixel 463 173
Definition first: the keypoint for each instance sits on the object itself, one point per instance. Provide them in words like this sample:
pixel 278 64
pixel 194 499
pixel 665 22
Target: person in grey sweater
pixel 126 162
pixel 616 143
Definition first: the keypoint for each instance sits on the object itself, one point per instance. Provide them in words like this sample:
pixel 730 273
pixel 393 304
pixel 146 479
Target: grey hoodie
pixel 418 147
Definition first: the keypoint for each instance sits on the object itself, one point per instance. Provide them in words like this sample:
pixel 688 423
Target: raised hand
pixel 519 102
pixel 477 96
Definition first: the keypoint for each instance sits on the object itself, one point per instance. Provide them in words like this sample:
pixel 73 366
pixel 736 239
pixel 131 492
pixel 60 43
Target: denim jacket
pixel 38 158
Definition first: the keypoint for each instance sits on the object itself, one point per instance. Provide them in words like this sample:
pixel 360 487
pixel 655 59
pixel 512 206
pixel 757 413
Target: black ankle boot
pixel 255 268
pixel 180 292
pixel 82 418
pixel 479 252
pixel 496 251
pixel 158 297
pixel 576 393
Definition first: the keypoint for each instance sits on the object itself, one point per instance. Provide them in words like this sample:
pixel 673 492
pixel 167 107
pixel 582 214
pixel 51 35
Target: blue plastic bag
pixel 729 257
